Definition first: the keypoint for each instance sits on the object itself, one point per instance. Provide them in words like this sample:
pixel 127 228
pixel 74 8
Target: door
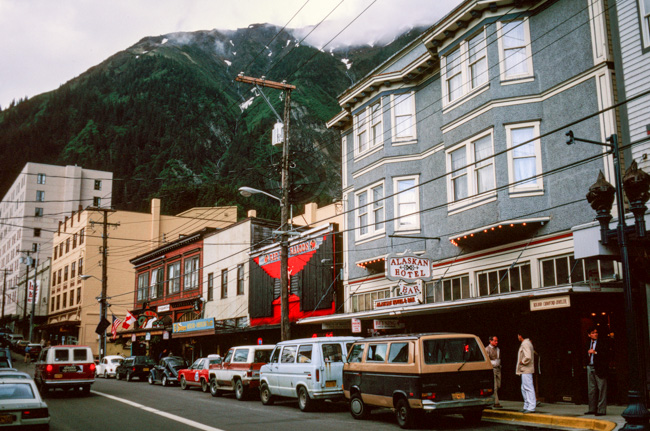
pixel 332 366
pixel 271 370
pixel 286 373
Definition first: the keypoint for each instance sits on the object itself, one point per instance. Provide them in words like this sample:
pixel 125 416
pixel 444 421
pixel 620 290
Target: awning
pixel 59 324
pixel 498 233
pixel 193 333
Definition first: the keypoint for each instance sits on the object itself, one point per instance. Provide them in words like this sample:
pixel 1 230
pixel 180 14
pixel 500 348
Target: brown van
pixel 412 374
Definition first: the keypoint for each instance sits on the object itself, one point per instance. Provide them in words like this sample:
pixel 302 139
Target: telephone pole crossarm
pixel 264 83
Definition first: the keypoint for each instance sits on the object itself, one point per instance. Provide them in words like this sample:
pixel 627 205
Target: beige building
pixel 74 309
pixel 313 215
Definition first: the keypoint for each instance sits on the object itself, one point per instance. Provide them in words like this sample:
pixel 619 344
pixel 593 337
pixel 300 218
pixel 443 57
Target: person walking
pixel 597 363
pixel 494 353
pixel 28 358
pixel 526 369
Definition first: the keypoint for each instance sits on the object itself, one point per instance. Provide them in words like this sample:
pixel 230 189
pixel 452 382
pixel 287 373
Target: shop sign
pixel 194 325
pixel 398 301
pixel 299 254
pixel 387 324
pixel 408 267
pixel 165 335
pixel 550 303
pixel 342 324
pixel 404 289
pixel 133 337
pixel 147 336
pixel 162 308
pixel 356 326
pixel 594 280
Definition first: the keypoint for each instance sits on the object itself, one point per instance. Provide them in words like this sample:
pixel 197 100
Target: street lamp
pixel 601 197
pixel 285 328
pixel 103 322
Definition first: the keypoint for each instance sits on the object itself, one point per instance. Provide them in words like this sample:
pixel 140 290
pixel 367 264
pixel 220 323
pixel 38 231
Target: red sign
pixel 396 301
pixel 299 255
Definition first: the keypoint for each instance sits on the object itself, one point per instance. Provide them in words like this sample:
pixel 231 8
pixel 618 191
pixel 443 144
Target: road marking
pixel 160 413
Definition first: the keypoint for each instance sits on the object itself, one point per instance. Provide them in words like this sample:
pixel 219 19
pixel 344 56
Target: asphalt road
pixel 118 405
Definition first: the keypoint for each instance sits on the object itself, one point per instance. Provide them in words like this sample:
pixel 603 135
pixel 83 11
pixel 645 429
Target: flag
pixel 128 320
pixel 116 324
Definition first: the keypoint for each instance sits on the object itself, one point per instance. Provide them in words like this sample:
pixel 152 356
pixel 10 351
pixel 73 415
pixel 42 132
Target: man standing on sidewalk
pixel 597 363
pixel 494 353
pixel 525 369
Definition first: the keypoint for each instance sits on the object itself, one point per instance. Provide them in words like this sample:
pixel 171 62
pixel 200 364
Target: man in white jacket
pixel 525 369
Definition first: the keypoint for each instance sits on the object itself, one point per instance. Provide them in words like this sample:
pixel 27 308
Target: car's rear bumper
pixel 428 405
pixel 67 383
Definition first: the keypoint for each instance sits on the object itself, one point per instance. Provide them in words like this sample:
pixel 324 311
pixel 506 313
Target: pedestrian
pixel 494 353
pixel 526 369
pixel 598 353
pixel 28 358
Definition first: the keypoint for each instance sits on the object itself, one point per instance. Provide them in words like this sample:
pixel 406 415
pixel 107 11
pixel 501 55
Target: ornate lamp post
pixel 601 197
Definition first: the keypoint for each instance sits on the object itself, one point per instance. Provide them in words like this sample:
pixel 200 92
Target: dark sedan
pixel 134 366
pixel 166 372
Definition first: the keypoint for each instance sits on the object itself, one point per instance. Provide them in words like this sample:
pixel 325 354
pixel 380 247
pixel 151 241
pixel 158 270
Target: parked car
pixel 66 367
pixel 197 374
pixel 12 373
pixel 108 364
pixel 166 372
pixel 13 339
pixel 34 350
pixel 5 358
pixel 240 370
pixel 134 367
pixel 22 405
pixel 444 373
pixel 310 369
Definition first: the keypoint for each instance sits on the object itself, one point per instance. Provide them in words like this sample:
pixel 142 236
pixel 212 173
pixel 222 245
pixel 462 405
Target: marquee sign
pixel 299 255
pixel 408 267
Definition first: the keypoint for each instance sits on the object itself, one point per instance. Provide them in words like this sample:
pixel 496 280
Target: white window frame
pixel 529 75
pixel 191 273
pixel 471 170
pixel 466 87
pixel 399 224
pixel 644 18
pixel 370 209
pixel 412 137
pixel 40 196
pixel 527 189
pixel 367 128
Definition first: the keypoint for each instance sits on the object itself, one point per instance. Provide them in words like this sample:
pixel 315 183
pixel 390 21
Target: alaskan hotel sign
pixel 410 271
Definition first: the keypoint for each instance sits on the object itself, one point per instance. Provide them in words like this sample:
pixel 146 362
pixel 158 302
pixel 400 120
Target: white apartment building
pixel 30 212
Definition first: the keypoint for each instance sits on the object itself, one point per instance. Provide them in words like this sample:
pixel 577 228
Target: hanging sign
pixel 30 291
pixel 299 255
pixel 387 324
pixel 408 267
pixel 356 326
pixel 549 303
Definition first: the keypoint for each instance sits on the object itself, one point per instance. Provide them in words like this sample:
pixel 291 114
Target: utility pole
pixel 34 291
pixel 4 292
pixel 27 261
pixel 285 327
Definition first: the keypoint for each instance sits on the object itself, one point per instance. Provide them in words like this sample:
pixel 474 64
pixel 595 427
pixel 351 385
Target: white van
pixel 310 369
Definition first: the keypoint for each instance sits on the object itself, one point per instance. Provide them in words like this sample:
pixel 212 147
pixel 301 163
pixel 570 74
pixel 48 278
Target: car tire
pixel 128 377
pixel 358 409
pixel 117 376
pixel 184 384
pixel 165 381
pixel 85 390
pixel 106 374
pixel 240 390
pixel 265 395
pixel 305 403
pixel 150 379
pixel 405 415
pixel 473 417
pixel 214 389
pixel 205 387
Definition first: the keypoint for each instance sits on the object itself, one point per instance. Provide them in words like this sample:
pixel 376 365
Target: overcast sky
pixel 48 42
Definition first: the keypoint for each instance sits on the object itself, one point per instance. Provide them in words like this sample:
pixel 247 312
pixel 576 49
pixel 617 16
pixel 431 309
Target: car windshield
pixel 13 376
pixel 143 360
pixel 262 356
pixel 116 361
pixel 16 391
pixel 176 362
pixel 452 350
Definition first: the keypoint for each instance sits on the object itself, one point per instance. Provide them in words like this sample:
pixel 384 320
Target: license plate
pixel 145 369
pixel 330 384
pixel 58 376
pixel 7 419
pixel 70 369
pixel 458 396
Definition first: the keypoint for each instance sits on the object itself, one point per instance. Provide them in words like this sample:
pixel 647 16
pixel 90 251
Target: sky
pixel 45 43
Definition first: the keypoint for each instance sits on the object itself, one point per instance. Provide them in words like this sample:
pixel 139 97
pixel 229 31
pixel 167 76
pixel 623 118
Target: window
pixel 504 280
pixel 356 354
pixel 567 270
pixel 224 283
pixel 403 117
pixel 98 184
pixel 157 283
pixel 332 352
pixel 74 241
pixel 515 57
pixel 73 267
pixel 376 352
pixel 471 168
pixel 65 273
pixel 81 236
pixel 288 355
pixel 40 196
pixel 174 277
pixel 465 68
pixel 34 247
pixel 56 249
pixel 210 286
pixel 368 128
pixel 399 353
pixel 304 354
pixel 38 212
pixel 524 159
pixel 79 295
pixel 97 201
pixel 191 277
pixel 81 266
pixel 452 350
pixel 407 204
pixel 240 279
pixel 241 355
pixel 370 210
pixel 65 299
pixel 366 301
pixel 71 299
pixel 644 11
pixel 37 233
pixel 40 179
pixel 67 245
pixel 143 287
pixel 449 289
pixel 60 272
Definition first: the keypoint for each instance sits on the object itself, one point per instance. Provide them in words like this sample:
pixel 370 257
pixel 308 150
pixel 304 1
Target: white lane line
pixel 160 413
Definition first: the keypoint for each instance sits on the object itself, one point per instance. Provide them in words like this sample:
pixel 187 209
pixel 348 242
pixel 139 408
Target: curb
pixel 560 421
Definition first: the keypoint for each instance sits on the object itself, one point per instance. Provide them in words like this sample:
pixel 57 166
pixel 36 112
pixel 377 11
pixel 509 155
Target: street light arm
pixel 248 191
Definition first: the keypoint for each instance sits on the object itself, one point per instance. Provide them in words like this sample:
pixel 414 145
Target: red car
pixel 197 374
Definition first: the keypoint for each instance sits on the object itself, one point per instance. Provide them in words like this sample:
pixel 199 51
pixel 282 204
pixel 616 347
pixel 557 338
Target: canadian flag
pixel 128 320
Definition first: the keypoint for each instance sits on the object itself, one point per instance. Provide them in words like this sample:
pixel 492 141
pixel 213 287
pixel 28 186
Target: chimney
pixel 252 213
pixel 155 223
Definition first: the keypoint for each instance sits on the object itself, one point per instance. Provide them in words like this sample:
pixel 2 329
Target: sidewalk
pixel 558 414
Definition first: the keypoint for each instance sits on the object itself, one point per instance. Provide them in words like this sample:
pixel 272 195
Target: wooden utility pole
pixel 4 293
pixel 285 327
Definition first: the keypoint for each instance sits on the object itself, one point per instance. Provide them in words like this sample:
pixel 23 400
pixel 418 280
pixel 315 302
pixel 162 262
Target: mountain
pixel 167 118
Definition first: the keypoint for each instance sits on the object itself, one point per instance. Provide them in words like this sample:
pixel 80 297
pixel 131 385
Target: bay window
pixel 143 287
pixel 465 69
pixel 368 131
pixel 514 49
pixel 524 158
pixel 370 210
pixel 191 277
pixel 403 117
pixel 471 168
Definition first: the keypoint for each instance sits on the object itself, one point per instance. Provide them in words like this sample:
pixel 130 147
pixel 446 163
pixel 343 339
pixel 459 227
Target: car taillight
pixel 486 392
pixel 317 375
pixel 92 367
pixel 133 369
pixel 49 368
pixel 428 395
pixel 249 373
pixel 35 414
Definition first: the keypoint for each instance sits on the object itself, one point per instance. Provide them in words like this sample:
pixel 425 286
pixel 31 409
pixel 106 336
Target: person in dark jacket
pixel 598 356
